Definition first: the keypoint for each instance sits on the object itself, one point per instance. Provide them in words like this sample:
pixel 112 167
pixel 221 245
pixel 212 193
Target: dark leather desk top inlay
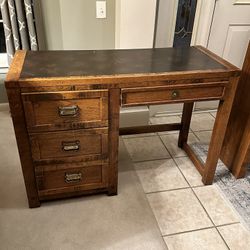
pixel 115 62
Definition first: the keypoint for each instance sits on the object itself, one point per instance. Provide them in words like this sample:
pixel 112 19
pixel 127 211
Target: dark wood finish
pixel 236 145
pixel 73 194
pixel 242 156
pixel 42 110
pixel 115 62
pixel 219 131
pixel 95 83
pixel 220 60
pixel 126 81
pixel 185 123
pixel 161 95
pixel 150 129
pixel 73 145
pixel 114 115
pixel 17 114
pixel 56 182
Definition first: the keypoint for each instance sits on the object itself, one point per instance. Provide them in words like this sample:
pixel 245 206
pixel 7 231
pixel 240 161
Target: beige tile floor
pixel 162 203
pixel 190 215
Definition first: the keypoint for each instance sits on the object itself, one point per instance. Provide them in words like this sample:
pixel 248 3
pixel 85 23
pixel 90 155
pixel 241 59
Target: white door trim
pixel 174 14
pixel 202 22
pixel 241 2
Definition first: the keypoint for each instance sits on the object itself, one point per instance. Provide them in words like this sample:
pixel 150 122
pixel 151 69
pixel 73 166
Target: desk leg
pixel 114 113
pixel 185 123
pixel 219 131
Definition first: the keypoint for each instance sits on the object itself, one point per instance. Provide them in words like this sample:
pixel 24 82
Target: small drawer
pixel 75 145
pixel 163 94
pixel 62 179
pixel 65 110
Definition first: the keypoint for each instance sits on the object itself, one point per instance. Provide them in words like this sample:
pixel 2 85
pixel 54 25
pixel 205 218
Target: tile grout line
pixel 189 187
pixel 157 159
pixel 188 231
pixel 165 147
pixel 210 218
pixel 199 229
pixel 165 243
pixel 132 136
pixel 168 190
pixel 201 205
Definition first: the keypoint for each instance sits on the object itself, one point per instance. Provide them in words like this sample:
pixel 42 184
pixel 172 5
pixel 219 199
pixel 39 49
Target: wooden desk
pixel 65 110
pixel 235 151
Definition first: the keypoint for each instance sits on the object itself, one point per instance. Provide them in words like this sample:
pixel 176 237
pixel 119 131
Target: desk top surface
pixel 46 64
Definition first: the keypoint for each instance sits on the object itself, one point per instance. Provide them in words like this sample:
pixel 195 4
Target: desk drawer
pixel 63 179
pixel 64 146
pixel 161 95
pixel 66 110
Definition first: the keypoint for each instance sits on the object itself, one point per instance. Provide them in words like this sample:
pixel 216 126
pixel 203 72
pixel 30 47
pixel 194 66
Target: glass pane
pixel 184 23
pixel 2 39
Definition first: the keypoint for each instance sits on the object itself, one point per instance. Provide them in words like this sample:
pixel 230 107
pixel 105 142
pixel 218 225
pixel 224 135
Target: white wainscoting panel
pixel 237 37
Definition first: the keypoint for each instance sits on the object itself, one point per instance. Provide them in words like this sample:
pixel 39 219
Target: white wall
pixel 52 24
pixel 82 30
pixel 73 25
pixel 135 20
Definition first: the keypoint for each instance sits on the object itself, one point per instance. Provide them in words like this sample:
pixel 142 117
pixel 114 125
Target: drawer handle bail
pixel 175 94
pixel 68 111
pixel 72 178
pixel 71 145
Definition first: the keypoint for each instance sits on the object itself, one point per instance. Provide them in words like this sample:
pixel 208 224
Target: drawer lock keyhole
pixel 175 94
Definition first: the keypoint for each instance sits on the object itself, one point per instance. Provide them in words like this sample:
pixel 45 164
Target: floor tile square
pixel 204 136
pixel 138 135
pixel 189 171
pixel 206 239
pixel 165 119
pixel 171 143
pixel 146 148
pixel 236 236
pixel 202 121
pixel 159 175
pixel 216 206
pixel 178 211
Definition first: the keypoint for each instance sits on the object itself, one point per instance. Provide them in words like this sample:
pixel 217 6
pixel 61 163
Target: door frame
pixel 203 22
pixel 200 36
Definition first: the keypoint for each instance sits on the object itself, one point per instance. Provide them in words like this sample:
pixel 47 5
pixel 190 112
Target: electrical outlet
pixel 100 9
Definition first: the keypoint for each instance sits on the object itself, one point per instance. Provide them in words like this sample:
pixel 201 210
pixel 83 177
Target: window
pixel 3 54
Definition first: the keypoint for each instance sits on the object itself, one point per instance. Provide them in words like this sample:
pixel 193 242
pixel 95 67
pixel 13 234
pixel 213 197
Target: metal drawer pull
pixel 71 145
pixel 68 111
pixel 70 178
pixel 175 94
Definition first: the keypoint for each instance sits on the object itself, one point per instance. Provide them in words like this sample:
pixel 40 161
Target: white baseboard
pixel 135 116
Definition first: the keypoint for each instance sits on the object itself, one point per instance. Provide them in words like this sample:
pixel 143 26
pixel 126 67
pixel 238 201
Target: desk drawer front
pixel 77 178
pixel 65 110
pixel 80 144
pixel 160 95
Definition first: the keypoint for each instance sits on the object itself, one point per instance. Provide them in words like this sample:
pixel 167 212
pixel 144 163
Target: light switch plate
pixel 100 9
